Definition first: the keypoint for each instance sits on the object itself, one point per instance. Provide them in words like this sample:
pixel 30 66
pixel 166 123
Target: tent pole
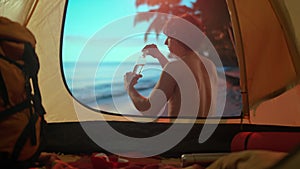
pixel 31 12
pixel 238 46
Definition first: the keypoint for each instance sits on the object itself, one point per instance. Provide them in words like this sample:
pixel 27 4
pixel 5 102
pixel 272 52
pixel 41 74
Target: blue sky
pixel 85 18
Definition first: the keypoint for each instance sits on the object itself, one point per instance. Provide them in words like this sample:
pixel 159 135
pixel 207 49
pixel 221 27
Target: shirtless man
pixel 167 88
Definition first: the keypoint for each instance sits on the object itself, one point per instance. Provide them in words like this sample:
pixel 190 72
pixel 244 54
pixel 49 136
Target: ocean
pixel 100 86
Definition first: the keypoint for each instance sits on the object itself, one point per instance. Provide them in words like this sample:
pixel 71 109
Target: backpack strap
pixel 3 92
pixel 17 108
pixel 11 61
pixel 27 132
pixel 31 68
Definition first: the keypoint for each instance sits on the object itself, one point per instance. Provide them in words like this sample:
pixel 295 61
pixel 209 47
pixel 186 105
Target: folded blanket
pixel 249 159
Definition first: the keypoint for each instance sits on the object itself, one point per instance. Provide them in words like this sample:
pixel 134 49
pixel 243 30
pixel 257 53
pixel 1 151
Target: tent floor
pixel 70 138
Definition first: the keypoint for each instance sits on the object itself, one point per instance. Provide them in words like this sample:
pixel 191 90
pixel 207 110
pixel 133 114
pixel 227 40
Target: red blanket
pixel 110 162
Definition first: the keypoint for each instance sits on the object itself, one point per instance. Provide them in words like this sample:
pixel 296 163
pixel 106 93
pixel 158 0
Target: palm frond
pixel 143 16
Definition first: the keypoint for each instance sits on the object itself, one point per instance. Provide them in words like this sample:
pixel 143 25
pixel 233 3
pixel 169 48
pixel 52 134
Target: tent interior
pixel 266 42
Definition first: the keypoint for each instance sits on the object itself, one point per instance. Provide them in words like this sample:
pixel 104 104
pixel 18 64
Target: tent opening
pixel 98 51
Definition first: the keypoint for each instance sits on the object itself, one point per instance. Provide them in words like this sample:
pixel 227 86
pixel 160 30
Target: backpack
pixel 21 111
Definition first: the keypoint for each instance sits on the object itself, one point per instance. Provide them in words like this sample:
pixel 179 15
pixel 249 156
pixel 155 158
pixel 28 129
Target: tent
pixel 267 45
pixel 266 34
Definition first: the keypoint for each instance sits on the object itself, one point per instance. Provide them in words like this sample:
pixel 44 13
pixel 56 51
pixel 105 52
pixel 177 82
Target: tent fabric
pixel 46 23
pixel 287 13
pixel 16 10
pixel 267 66
pixel 263 49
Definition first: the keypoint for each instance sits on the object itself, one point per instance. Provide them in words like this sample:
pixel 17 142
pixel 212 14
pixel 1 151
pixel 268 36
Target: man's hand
pixel 130 79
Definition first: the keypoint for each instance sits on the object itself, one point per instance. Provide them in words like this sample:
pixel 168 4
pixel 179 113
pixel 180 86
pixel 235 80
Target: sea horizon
pixel 100 86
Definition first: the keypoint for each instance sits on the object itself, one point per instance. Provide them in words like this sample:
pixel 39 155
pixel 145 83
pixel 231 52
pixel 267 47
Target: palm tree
pixel 213 14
